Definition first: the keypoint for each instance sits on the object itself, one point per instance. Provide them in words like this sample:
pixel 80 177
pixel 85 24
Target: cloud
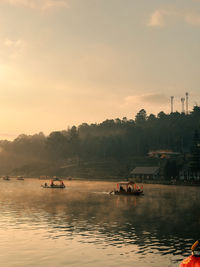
pixel 12 48
pixel 155 99
pixel 14 43
pixel 192 18
pixel 157 18
pixel 151 102
pixel 38 4
pixel 162 17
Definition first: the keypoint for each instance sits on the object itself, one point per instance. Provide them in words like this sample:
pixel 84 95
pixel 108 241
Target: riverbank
pixel 167 182
pixel 117 179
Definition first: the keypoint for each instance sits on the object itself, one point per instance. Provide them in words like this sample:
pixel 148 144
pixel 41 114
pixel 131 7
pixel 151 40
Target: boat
pixel 194 259
pixel 20 178
pixel 54 183
pixel 6 178
pixel 128 188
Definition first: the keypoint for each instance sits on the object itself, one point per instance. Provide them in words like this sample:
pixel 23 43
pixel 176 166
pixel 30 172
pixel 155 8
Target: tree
pixel 196 111
pixel 56 144
pixel 195 159
pixel 151 118
pixel 141 117
pixel 161 115
pixel 73 142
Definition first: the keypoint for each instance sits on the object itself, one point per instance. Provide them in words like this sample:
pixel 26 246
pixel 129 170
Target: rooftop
pixel 145 170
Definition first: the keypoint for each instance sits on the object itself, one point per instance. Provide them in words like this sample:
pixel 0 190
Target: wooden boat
pixel 55 183
pixel 53 186
pixel 20 178
pixel 128 188
pixel 6 178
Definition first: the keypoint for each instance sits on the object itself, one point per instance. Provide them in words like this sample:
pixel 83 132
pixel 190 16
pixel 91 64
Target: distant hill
pixel 110 148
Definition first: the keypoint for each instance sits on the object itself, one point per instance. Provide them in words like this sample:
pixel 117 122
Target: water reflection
pixel 164 222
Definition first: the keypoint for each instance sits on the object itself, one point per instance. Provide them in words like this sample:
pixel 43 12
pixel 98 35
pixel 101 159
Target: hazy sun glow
pixel 67 62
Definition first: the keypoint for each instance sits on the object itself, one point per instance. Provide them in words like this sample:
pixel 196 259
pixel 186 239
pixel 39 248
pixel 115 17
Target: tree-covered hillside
pixel 111 147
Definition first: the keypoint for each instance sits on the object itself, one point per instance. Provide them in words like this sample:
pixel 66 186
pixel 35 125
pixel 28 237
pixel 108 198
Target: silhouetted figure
pixel 129 189
pixel 121 189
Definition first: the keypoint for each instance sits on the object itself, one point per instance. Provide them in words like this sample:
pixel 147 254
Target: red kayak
pixel 191 261
pixel 194 259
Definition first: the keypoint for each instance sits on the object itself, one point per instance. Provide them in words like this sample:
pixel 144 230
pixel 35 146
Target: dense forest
pixel 110 148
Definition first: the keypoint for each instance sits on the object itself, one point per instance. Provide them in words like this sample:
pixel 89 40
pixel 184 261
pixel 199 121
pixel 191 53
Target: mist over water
pixel 83 225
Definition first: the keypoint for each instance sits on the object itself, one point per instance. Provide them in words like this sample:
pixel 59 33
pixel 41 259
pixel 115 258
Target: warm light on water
pixel 83 225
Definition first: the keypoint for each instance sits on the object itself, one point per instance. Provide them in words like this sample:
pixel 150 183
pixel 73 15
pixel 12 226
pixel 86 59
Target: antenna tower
pixel 186 104
pixel 172 104
pixel 182 101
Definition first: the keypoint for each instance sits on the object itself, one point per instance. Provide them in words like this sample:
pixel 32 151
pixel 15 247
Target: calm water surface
pixel 83 225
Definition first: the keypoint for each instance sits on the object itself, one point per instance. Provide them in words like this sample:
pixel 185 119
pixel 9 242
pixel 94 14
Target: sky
pixel 67 62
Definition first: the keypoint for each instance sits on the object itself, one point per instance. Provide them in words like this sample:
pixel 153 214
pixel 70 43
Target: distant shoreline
pixel 168 182
pixel 137 180
pixel 114 179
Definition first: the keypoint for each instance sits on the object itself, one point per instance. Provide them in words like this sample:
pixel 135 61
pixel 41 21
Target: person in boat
pixel 129 190
pixel 121 189
pixel 196 249
pixel 52 184
pixel 45 184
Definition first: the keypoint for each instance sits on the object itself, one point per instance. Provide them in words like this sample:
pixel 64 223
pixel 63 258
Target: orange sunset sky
pixel 65 62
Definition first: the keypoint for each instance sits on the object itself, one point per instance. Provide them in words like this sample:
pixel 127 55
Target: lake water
pixel 83 225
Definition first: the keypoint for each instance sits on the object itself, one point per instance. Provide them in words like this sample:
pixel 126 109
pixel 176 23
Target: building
pixel 163 154
pixel 146 172
pixel 185 174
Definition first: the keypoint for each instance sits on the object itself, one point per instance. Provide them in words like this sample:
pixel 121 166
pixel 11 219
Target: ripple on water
pixel 93 229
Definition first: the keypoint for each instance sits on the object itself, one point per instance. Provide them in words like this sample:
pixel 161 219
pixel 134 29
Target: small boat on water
pixel 194 259
pixel 6 178
pixel 20 178
pixel 54 183
pixel 128 188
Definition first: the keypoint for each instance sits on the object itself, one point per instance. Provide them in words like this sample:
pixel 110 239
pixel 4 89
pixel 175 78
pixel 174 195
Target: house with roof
pixel 163 154
pixel 146 172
